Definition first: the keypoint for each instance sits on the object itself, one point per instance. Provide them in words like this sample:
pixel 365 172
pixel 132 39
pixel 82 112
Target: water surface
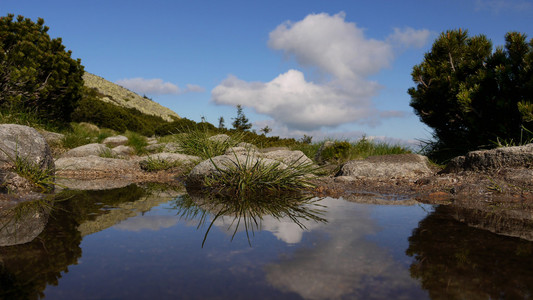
pixel 133 244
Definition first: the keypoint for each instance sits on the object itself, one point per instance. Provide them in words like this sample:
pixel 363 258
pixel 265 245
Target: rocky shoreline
pixel 485 183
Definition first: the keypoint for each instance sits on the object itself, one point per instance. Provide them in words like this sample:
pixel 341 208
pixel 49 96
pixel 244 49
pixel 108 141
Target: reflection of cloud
pixel 147 222
pixel 284 229
pixel 344 263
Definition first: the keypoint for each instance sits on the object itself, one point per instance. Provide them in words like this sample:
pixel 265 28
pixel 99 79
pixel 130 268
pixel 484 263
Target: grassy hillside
pixel 120 96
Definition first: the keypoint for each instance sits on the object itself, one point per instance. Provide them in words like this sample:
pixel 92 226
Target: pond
pixel 146 242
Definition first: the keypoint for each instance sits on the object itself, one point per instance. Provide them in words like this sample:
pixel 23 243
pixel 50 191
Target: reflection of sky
pixel 344 262
pixel 147 222
pixel 344 258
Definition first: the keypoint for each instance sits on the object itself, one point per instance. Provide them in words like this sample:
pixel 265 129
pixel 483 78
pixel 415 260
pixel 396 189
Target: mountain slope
pixel 121 96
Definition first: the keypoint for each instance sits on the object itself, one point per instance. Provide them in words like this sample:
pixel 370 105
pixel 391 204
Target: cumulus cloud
pixel 409 37
pixel 155 86
pixel 335 48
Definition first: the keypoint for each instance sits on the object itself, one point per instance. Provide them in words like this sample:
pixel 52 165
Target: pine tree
pixel 36 73
pixel 241 123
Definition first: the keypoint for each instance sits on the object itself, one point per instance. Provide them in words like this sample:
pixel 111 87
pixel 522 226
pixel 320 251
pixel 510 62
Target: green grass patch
pixel 82 134
pixel 137 142
pixel 255 175
pixel 197 142
pixel 42 178
pixel 157 164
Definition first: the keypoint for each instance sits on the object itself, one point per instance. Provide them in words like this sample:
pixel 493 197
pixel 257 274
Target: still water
pixel 146 243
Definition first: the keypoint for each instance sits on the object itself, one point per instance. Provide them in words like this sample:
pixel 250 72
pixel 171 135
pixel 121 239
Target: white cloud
pixel 409 37
pixel 335 48
pixel 300 104
pixel 155 86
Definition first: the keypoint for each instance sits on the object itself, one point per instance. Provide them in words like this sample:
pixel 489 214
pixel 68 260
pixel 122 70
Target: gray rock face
pixel 52 138
pixel 123 150
pixel 24 142
pixel 387 166
pixel 95 163
pixel 173 157
pixel 86 150
pixel 289 157
pixel 484 160
pixel 172 147
pixel 114 141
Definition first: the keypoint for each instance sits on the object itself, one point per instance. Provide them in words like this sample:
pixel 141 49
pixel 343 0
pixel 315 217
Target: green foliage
pixel 37 75
pixel 342 151
pixel 183 125
pixel 137 142
pixel 471 95
pixel 337 151
pixel 80 135
pixel 107 115
pixel 241 123
pixel 197 142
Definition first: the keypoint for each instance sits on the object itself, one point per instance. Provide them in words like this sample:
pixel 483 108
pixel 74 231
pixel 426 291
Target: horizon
pixel 327 70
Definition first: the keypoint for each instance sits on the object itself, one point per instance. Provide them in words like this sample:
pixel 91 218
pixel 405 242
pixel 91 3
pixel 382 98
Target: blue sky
pixel 337 69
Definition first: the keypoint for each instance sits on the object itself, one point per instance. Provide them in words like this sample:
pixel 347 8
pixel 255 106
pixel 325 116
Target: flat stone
pixel 114 141
pixel 388 166
pixel 86 150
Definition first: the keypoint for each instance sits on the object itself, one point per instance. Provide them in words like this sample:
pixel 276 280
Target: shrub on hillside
pixel 37 75
pixel 107 115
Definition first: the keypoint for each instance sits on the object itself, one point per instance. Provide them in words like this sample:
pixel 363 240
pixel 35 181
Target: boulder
pixel 95 164
pixel 86 150
pixel 25 142
pixel 172 147
pixel 173 157
pixel 219 138
pixel 123 150
pixel 52 138
pixel 289 157
pixel 486 160
pixel 387 166
pixel 114 141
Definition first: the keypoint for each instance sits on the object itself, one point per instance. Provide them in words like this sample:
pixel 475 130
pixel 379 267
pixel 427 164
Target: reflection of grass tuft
pixel 248 210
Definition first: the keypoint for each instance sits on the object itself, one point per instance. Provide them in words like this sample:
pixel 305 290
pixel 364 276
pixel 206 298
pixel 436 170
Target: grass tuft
pixel 137 141
pixel 158 164
pixel 254 175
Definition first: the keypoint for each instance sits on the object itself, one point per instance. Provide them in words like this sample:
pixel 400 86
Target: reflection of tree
pixel 454 261
pixel 248 211
pixel 26 269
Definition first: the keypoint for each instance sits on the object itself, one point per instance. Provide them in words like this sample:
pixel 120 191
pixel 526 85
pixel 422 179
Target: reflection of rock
pixel 455 261
pixel 22 223
pixel 124 211
pixel 92 184
pixel 343 264
pixel 505 222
